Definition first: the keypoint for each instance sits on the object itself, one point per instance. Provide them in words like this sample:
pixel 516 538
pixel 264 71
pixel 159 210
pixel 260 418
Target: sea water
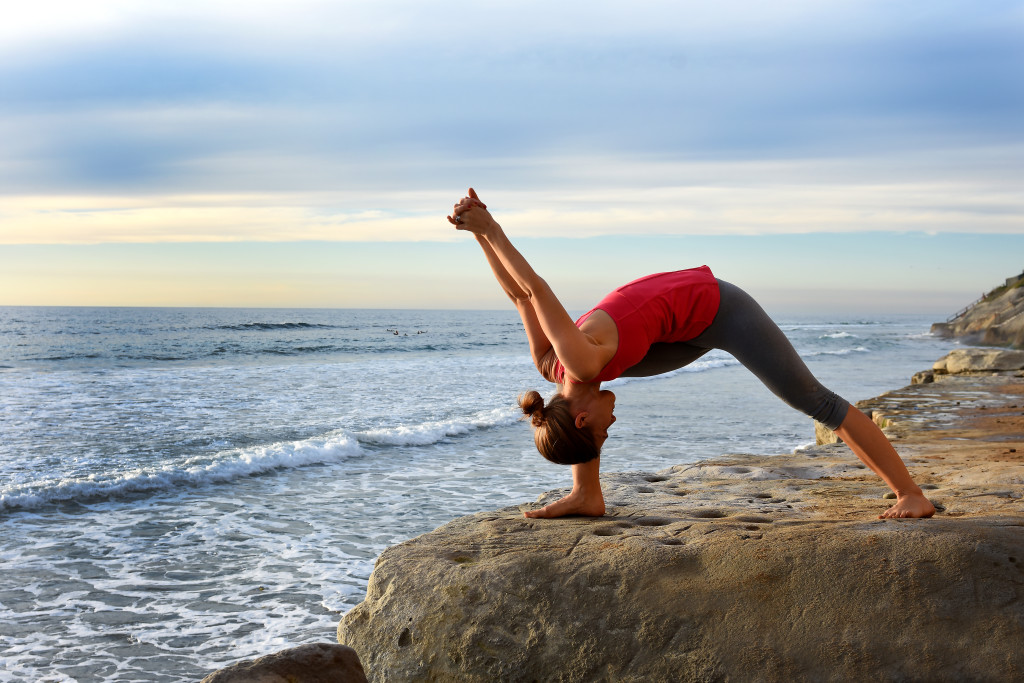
pixel 184 488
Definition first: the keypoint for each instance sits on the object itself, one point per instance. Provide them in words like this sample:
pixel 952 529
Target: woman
pixel 650 326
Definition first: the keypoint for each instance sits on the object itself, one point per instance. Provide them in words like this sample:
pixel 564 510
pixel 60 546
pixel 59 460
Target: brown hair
pixel 555 432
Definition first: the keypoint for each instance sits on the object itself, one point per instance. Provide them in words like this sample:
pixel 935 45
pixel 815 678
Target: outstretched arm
pixel 582 355
pixel 539 342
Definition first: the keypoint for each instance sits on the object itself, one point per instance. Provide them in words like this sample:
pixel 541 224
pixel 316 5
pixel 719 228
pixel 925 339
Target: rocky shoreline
pixel 743 567
pixel 747 567
pixel 996 319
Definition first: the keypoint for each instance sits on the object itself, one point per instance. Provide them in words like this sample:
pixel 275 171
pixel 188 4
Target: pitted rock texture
pixel 745 567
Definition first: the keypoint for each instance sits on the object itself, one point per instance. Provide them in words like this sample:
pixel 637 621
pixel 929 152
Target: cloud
pixel 329 120
pixel 570 197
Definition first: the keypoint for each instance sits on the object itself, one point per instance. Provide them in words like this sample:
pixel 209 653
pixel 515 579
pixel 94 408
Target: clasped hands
pixel 458 217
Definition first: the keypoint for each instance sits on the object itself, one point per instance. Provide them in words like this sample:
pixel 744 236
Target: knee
pixel 830 408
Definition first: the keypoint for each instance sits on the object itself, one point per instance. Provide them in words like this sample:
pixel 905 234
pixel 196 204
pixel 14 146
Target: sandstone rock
pixel 996 320
pixel 767 568
pixel 824 436
pixel 314 663
pixel 923 377
pixel 979 360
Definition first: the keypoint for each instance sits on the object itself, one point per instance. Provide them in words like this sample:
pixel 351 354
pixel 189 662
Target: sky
pixel 848 156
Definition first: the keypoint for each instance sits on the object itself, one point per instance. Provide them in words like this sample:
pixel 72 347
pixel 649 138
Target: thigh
pixel 662 358
pixel 743 329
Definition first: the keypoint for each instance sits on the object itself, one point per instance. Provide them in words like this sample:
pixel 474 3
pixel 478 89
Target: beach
pixel 184 488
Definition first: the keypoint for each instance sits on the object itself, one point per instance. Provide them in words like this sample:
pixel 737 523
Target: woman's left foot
pixel 911 505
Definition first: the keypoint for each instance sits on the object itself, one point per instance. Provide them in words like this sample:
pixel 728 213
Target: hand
pixel 463 218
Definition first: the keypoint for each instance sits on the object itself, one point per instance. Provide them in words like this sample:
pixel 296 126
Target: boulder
pixel 923 377
pixel 970 360
pixel 746 567
pixel 313 663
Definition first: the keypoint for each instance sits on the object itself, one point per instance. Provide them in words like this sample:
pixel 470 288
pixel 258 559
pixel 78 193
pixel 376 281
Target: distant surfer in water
pixel 653 325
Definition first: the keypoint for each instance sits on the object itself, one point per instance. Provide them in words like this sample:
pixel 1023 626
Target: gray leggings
pixel 742 328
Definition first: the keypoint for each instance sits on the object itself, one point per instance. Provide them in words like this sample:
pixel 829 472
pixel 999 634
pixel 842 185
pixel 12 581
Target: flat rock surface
pixel 746 567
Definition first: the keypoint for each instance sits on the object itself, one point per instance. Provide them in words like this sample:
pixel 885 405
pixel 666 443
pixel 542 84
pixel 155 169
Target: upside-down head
pixel 555 430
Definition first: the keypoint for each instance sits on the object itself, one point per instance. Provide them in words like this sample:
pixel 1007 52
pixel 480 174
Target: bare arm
pixel 539 343
pixel 581 354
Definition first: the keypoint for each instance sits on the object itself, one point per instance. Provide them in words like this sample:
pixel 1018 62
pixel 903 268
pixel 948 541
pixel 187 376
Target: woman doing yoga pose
pixel 656 324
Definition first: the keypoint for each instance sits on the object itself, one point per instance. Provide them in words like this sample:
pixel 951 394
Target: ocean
pixel 184 488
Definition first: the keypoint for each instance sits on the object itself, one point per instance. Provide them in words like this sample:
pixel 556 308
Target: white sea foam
pixel 837 352
pixel 226 466
pixel 431 432
pixel 837 335
pixel 696 366
pixel 235 463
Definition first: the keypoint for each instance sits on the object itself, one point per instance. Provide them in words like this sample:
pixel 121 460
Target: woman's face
pixel 600 415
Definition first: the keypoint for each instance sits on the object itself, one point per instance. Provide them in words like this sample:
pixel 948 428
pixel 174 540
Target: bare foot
pixel 575 503
pixel 909 505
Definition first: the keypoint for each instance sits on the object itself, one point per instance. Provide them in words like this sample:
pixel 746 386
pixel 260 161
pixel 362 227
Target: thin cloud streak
pixel 662 199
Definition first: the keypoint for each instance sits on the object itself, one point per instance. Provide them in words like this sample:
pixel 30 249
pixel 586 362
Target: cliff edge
pixel 745 567
pixel 996 319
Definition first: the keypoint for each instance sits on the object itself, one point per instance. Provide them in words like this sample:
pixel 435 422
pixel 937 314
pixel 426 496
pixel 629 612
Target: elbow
pixel 584 372
pixel 532 286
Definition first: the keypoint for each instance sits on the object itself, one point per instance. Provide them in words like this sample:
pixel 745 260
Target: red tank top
pixel 664 307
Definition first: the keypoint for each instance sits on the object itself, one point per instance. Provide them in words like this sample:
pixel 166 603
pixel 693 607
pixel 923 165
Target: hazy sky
pixel 859 155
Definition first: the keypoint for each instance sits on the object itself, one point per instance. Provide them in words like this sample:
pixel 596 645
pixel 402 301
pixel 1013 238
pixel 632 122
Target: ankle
pixel 913 490
pixel 586 491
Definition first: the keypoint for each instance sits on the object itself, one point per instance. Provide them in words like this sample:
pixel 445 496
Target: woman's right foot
pixel 909 506
pixel 574 504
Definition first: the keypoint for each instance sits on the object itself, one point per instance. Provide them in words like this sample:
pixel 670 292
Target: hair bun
pixel 533 405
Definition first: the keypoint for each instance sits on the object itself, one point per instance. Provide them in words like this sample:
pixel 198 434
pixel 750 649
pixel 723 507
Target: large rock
pixel 962 361
pixel 314 663
pixel 741 568
pixel 997 319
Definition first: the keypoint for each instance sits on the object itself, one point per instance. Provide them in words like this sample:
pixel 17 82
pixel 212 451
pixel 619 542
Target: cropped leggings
pixel 743 329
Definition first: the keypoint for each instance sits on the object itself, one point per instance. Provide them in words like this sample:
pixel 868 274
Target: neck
pixel 575 392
